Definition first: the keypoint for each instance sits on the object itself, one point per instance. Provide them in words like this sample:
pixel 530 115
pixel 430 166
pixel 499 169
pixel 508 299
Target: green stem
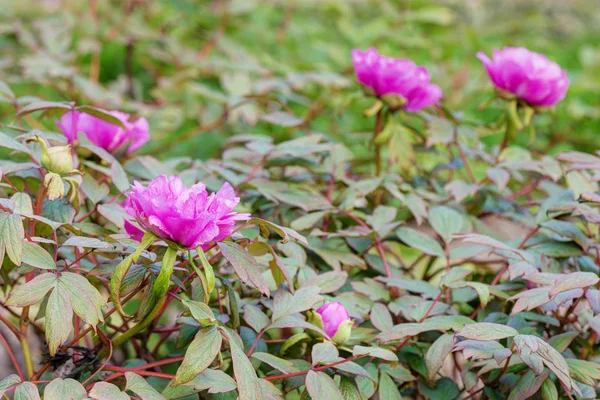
pixel 136 328
pixel 27 356
pixel 376 131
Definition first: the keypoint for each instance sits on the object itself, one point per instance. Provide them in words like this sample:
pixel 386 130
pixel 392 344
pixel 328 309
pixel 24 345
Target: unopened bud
pixel 394 101
pixel 57 159
pixel 55 187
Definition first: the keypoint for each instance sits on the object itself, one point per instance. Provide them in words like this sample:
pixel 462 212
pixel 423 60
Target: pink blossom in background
pixel 386 75
pixel 530 76
pixel 188 216
pixel 104 134
pixel 333 314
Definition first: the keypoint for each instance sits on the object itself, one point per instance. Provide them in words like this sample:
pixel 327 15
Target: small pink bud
pixel 336 321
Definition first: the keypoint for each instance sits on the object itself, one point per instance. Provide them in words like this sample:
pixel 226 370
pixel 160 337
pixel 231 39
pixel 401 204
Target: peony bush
pixel 430 264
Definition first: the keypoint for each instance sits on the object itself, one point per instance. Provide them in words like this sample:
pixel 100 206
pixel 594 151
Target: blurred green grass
pixel 181 63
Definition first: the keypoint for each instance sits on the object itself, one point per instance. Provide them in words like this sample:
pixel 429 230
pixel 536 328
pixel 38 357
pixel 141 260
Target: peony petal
pixel 69 124
pixel 187 216
pixel 530 76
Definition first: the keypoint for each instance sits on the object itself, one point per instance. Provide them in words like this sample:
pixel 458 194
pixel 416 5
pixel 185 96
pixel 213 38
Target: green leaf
pixel 22 203
pixel 215 380
pixel 244 265
pixel 381 318
pixel 245 375
pixel 92 243
pixel 282 118
pixel 42 105
pixel 586 372
pixel 116 281
pixel 284 303
pixel 531 348
pixel 483 290
pixel 446 222
pixel 320 386
pixel 387 388
pixel 382 220
pixel 548 390
pixel 438 130
pixel 324 353
pixel 307 221
pixel 12 235
pixel 280 364
pixel 64 389
pixel 561 342
pixel 527 385
pixel 254 317
pixel 140 387
pixel 293 321
pixel 147 240
pixel 209 274
pixel 93 190
pixel 420 241
pixel 328 282
pixel 233 303
pixel 200 312
pixel 375 352
pixel 444 389
pixel 437 353
pixel 86 301
pixel 102 114
pixel 574 280
pixel 163 281
pixel 33 291
pixel 8 142
pixel 283 232
pixel 36 256
pixel 7 382
pixel 58 323
pixel 199 355
pixel 487 331
pixel 349 389
pixel 293 340
pixel 439 323
pixel 107 391
pixel 27 391
pixel 278 270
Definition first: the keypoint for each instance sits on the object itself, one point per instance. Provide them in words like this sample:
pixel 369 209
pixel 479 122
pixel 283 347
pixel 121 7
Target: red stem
pixel 12 357
pixel 300 373
pixel 256 341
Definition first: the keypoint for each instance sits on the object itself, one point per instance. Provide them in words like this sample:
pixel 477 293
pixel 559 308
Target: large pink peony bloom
pixel 104 134
pixel 333 314
pixel 133 231
pixel 385 75
pixel 188 216
pixel 530 76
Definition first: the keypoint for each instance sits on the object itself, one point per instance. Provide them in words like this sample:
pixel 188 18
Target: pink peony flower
pixel 188 216
pixel 385 75
pixel 333 315
pixel 104 134
pixel 135 232
pixel 530 76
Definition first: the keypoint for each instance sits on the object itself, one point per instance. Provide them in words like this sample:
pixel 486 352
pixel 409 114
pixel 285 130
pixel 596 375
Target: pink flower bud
pixel 333 314
pixel 529 76
pixel 189 217
pixel 395 76
pixel 104 134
